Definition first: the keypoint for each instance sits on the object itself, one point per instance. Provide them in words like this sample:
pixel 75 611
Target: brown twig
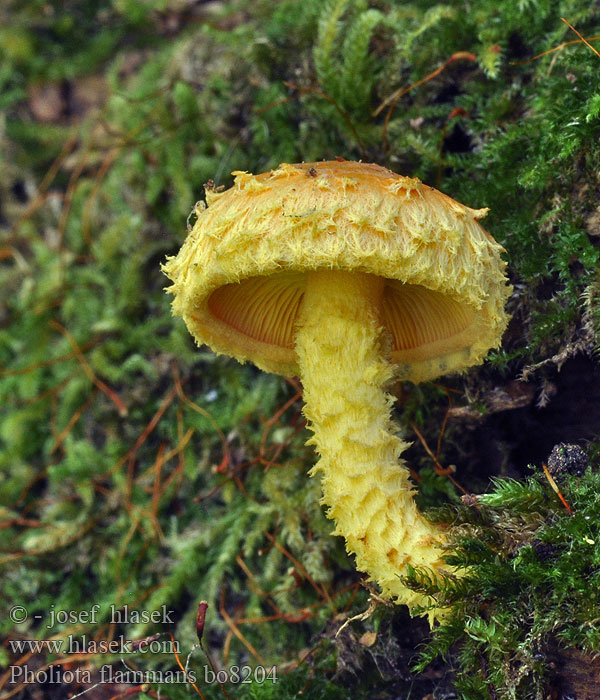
pixel 556 490
pixel 47 363
pixel 392 100
pixel 585 41
pixel 68 197
pixel 202 411
pixel 552 50
pixel 72 422
pixel 439 469
pixel 178 450
pixel 156 490
pixel 271 422
pixel 234 628
pixel 112 395
pixel 321 590
pixel 181 666
pixel 130 456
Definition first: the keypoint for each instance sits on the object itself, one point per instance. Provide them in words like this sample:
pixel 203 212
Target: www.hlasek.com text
pixel 84 645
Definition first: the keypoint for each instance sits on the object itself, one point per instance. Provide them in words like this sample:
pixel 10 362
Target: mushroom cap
pixel 239 277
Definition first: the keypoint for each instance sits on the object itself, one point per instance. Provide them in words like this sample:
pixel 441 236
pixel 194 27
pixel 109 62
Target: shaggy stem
pixel 341 349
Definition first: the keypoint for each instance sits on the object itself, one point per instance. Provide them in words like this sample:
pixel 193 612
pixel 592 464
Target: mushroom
pixel 348 276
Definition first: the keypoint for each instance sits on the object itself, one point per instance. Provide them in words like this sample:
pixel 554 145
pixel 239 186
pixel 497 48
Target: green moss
pixel 529 587
pixel 92 360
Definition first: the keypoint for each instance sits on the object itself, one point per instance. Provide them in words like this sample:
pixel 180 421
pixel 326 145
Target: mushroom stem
pixel 341 349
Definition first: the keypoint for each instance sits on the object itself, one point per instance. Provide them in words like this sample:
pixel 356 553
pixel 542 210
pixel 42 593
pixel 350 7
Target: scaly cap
pixel 238 279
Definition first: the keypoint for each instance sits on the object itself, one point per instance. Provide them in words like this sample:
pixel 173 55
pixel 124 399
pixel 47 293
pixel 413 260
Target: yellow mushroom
pixel 348 276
